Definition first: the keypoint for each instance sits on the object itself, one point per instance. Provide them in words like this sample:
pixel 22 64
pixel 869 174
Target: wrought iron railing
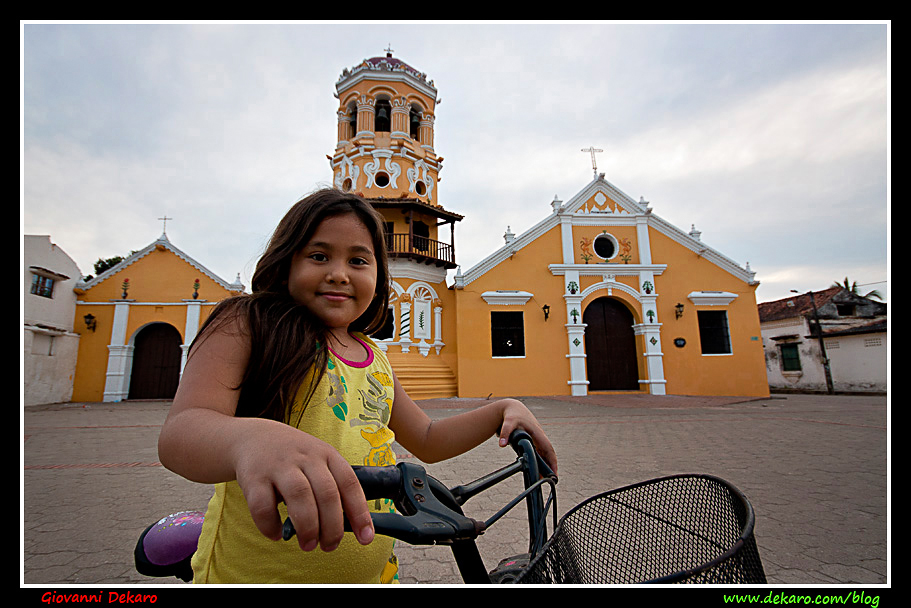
pixel 419 246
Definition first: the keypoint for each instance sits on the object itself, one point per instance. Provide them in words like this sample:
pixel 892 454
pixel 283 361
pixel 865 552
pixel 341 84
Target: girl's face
pixel 334 275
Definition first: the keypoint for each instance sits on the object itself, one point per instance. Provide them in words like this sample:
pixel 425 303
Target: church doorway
pixel 610 346
pixel 156 362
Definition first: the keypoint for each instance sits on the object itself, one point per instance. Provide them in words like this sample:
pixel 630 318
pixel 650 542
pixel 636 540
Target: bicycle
pixel 676 529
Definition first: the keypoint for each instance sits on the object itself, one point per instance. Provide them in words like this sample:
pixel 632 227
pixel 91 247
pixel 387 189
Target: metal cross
pixel 164 226
pixel 592 150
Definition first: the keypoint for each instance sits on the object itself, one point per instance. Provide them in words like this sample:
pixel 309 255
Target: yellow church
pixel 601 294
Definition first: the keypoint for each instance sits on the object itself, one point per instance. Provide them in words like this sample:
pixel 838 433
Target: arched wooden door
pixel 156 362
pixel 610 346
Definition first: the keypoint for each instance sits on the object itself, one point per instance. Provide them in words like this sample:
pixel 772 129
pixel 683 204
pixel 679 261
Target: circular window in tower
pixel 381 180
pixel 605 246
pixel 420 188
pixel 346 185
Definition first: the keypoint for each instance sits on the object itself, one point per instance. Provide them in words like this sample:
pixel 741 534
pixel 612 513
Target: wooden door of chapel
pixel 610 346
pixel 156 363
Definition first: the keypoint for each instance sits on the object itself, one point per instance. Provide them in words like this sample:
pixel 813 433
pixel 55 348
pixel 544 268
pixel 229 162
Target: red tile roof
pixel 797 305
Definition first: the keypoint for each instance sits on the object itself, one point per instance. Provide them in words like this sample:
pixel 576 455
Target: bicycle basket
pixel 678 529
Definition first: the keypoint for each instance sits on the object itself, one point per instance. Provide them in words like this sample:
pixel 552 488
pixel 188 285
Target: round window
pixel 605 246
pixel 381 180
pixel 420 188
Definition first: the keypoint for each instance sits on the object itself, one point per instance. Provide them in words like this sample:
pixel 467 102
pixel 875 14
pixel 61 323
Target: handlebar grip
pixel 379 482
pixel 522 444
pixel 420 518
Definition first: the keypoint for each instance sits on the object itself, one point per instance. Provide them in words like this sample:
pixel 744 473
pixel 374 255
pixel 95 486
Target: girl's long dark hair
pixel 286 340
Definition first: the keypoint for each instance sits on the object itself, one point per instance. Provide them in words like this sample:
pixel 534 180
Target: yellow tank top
pixel 350 410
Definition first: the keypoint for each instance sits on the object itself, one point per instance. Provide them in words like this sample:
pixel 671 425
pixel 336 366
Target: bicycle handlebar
pixel 427 511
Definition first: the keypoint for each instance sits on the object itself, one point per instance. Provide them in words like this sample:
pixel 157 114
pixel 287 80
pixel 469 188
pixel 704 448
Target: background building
pixel 835 328
pixel 49 341
pixel 137 320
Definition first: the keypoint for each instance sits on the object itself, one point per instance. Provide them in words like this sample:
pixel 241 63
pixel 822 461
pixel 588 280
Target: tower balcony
pixel 420 218
pixel 421 249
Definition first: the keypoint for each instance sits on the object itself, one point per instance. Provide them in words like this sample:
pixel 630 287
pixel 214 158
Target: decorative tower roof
pixel 384 68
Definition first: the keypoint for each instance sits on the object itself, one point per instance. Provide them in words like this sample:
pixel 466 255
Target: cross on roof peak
pixel 592 150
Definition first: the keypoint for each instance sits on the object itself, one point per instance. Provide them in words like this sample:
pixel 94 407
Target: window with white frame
pixel 714 334
pixel 507 333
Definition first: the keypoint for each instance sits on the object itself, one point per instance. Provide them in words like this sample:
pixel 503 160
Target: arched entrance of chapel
pixel 610 346
pixel 156 362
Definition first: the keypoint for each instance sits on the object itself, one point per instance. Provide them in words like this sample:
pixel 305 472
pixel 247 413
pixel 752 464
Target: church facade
pixel 601 294
pixel 136 321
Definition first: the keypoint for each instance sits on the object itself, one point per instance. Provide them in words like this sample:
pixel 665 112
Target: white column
pixel 438 325
pixel 191 328
pixel 405 322
pixel 650 330
pixel 120 356
pixel 566 234
pixel 575 334
pixel 575 329
pixel 645 247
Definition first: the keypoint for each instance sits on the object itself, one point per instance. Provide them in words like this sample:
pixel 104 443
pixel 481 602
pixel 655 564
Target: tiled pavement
pixel 814 466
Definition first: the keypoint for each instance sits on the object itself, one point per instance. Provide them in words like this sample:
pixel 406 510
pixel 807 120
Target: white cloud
pixel 753 133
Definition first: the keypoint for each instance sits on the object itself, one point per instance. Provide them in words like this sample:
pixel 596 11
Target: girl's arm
pixel 203 441
pixel 435 440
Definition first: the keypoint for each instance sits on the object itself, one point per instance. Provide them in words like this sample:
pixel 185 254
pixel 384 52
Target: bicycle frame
pixel 467 557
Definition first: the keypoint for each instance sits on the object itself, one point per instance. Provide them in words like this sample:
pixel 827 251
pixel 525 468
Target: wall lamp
pixel 90 321
pixel 678 310
pixel 546 310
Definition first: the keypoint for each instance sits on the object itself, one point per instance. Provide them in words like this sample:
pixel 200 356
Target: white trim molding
pixel 504 297
pixel 711 298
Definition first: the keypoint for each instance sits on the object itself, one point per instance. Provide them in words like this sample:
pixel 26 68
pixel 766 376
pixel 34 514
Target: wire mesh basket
pixel 677 529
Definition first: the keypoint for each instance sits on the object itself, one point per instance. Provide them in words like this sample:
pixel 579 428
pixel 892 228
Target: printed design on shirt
pixel 338 390
pixel 377 401
pixel 390 574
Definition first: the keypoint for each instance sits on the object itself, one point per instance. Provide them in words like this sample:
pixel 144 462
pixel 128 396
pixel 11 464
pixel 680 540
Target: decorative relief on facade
pixel 601 204
pixel 626 248
pixel 419 176
pixel 377 166
pixel 347 171
pixel 585 246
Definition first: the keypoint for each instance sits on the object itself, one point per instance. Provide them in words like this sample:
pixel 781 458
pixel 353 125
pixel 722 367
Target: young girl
pixel 283 392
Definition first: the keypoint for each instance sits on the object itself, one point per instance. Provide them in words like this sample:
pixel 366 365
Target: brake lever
pixel 422 519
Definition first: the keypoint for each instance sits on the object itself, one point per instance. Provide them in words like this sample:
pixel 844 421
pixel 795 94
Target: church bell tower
pixel 385 153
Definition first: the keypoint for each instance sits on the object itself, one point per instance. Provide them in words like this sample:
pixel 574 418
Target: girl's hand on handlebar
pixel 280 463
pixel 517 416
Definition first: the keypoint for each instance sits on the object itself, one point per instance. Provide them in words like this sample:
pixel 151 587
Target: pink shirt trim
pixel 360 364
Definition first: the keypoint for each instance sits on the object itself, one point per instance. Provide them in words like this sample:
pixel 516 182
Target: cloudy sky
pixel 773 139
